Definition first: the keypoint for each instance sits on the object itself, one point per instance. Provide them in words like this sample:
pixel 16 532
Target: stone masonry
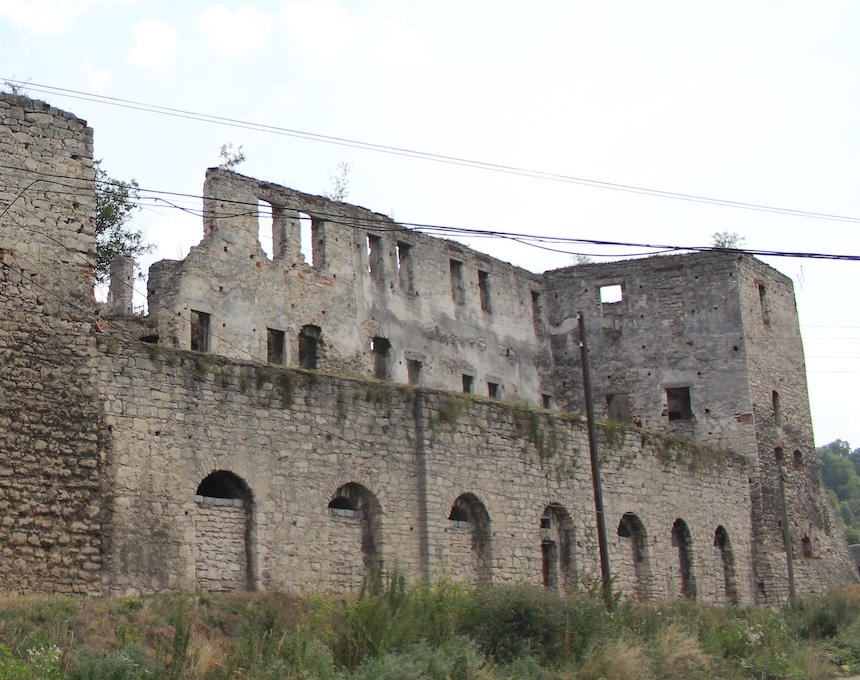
pixel 368 397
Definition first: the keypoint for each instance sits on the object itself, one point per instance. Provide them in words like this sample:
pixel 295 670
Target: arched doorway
pixel 727 559
pixel 557 539
pixel 633 572
pixel 223 525
pixel 683 542
pixel 355 538
pixel 470 540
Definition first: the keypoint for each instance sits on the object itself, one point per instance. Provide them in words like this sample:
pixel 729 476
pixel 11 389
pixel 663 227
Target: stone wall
pixel 53 439
pixel 348 475
pixel 367 278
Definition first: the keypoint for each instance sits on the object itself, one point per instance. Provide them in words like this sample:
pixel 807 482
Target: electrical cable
pixel 422 155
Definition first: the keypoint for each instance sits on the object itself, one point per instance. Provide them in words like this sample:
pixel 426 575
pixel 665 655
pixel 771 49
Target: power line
pixel 536 241
pixel 421 155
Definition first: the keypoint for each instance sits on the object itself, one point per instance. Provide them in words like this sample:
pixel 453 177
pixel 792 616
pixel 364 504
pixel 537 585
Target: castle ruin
pixel 376 397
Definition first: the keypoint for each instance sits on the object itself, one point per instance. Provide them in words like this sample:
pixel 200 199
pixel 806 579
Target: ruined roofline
pixel 28 103
pixel 654 261
pixel 368 219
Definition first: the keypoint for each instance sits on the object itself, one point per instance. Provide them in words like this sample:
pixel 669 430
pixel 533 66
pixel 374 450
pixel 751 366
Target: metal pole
pixel 786 530
pixel 595 467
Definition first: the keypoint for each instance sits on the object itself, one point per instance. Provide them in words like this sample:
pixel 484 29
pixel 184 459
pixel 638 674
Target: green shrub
pixel 508 622
pixel 122 664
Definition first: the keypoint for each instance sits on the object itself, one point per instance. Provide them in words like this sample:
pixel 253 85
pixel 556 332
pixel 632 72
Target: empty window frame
pixel 537 312
pixel 798 460
pixel 405 267
pixel 458 291
pixel 546 400
pixel 306 239
pixel 618 407
pixel 413 371
pixel 678 403
pixel 201 323
pixel 777 415
pixel 468 383
pixel 381 349
pixel 266 225
pixel 611 294
pixel 374 257
pixel 494 390
pixel 275 346
pixel 484 288
pixel 310 338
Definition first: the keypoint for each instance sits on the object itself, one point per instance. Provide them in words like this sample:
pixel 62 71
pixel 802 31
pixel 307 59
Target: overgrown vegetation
pixel 840 471
pixel 397 631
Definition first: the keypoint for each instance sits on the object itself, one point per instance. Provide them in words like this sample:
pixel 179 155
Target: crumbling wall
pixel 381 300
pixel 777 383
pixel 52 435
pixel 298 440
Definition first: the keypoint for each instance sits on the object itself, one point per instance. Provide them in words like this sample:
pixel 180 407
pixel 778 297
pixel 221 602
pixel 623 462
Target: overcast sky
pixel 749 102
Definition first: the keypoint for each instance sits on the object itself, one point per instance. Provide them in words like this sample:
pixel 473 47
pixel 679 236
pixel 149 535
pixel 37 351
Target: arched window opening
pixel 357 502
pixel 683 542
pixel 724 547
pixel 223 523
pixel 798 460
pixel 224 484
pixel 806 547
pixel 635 571
pixel 556 534
pixel 469 512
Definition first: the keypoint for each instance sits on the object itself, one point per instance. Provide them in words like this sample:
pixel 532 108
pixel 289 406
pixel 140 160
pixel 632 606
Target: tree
pixel 838 465
pixel 339 182
pixel 229 158
pixel 115 205
pixel 727 239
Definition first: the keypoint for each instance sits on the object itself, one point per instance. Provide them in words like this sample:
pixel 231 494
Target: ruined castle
pixel 374 397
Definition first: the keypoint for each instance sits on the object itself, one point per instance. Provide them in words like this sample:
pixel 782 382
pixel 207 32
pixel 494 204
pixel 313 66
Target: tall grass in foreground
pixel 398 631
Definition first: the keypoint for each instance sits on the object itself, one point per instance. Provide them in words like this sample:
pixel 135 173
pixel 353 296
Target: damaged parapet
pixel 121 285
pixel 342 289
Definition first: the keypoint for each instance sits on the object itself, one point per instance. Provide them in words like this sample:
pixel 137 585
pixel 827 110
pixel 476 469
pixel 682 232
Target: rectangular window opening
pixel 374 257
pixel 310 338
pixel 618 407
pixel 266 228
pixel 468 383
pixel 678 403
pixel 494 390
pixel 405 267
pixel 381 349
pixel 484 288
pixel 413 370
pixel 546 400
pixel 201 323
pixel 458 292
pixel 777 416
pixel 306 238
pixel 537 312
pixel 275 346
pixel 612 294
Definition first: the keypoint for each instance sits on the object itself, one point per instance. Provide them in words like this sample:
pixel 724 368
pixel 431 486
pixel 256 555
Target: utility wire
pixel 421 155
pixel 537 241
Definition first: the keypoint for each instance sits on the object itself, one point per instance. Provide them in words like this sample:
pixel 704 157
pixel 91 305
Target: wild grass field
pixel 398 631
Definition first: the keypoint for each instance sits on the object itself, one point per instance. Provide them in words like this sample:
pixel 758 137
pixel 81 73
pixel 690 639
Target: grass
pixel 398 631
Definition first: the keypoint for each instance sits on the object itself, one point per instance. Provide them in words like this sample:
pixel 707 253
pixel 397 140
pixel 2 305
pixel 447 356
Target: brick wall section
pixel 221 559
pixel 297 438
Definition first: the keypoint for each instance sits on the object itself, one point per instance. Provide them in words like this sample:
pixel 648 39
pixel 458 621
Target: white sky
pixel 751 102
